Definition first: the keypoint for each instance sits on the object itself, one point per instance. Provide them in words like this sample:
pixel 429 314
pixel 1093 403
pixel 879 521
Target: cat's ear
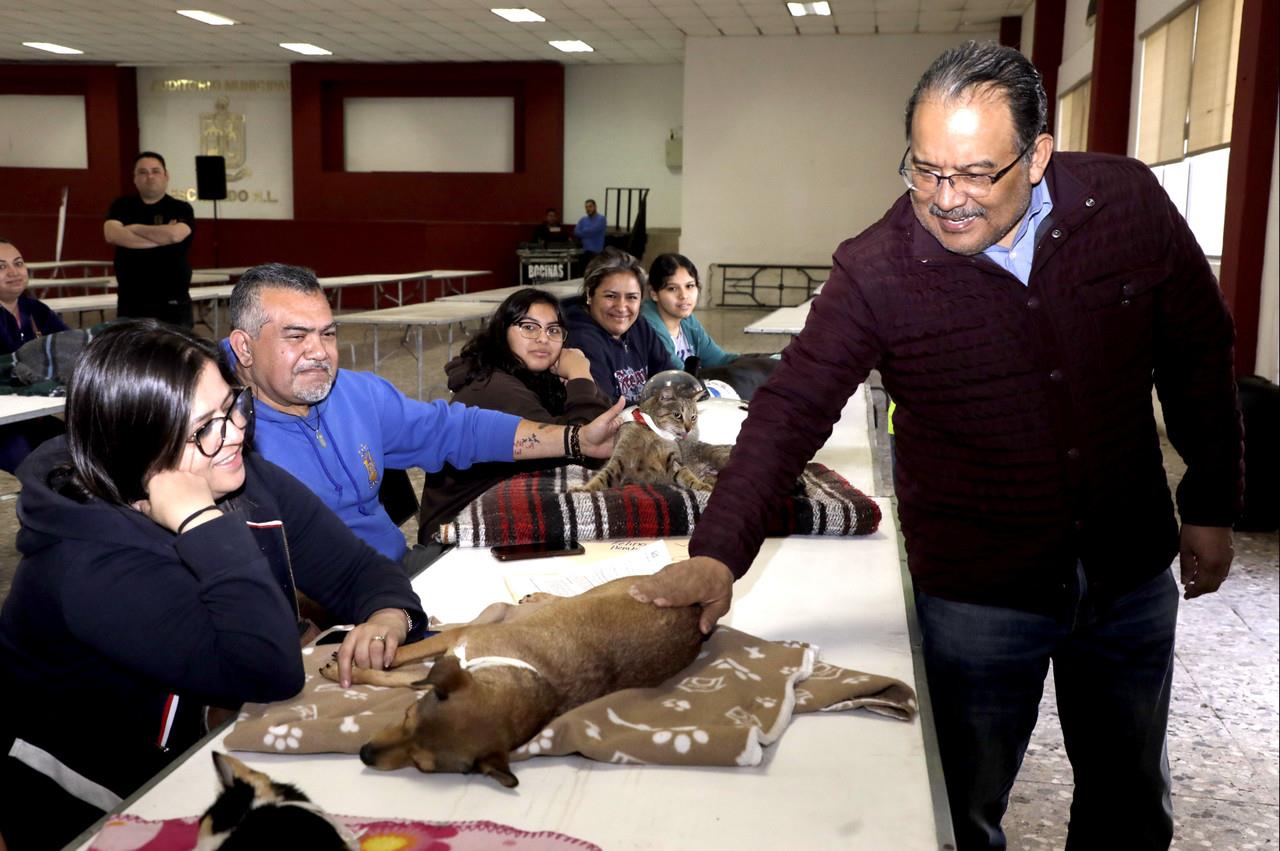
pixel 666 394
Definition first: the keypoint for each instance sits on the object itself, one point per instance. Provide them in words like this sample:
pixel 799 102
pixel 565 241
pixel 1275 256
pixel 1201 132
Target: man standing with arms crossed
pixel 1019 305
pixel 152 232
pixel 589 231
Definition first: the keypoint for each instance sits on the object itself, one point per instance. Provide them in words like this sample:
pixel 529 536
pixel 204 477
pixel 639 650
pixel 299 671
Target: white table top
pixel 109 281
pixel 39 265
pixel 784 320
pixel 83 281
pixel 107 301
pixel 450 274
pixel 437 312
pixel 376 278
pixel 17 408
pixel 224 270
pixel 559 289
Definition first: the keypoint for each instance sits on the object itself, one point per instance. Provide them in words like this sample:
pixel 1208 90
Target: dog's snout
pixel 367 754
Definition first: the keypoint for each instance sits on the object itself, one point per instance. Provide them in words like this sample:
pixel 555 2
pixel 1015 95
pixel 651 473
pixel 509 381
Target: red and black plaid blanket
pixel 535 507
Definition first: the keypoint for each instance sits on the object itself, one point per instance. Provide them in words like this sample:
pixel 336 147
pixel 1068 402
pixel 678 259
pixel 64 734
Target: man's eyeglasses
pixel 210 436
pixel 971 185
pixel 531 330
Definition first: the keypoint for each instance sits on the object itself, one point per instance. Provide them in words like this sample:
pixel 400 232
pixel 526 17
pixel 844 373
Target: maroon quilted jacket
pixel 1025 432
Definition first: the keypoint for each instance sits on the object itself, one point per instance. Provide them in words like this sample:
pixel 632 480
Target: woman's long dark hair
pixel 488 350
pixel 666 265
pixel 129 406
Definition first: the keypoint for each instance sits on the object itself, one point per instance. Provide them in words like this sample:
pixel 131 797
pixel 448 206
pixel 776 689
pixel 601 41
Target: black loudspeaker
pixel 211 178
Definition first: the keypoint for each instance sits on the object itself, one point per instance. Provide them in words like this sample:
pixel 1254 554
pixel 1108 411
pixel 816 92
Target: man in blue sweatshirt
pixel 338 430
pixel 589 231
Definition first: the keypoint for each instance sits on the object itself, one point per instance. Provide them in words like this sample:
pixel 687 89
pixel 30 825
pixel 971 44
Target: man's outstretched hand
pixel 698 580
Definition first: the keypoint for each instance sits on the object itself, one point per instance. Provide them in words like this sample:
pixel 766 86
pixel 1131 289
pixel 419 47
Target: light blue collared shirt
pixel 1017 260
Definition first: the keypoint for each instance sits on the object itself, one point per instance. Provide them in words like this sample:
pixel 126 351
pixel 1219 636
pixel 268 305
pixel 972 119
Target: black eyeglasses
pixel 531 330
pixel 972 185
pixel 210 436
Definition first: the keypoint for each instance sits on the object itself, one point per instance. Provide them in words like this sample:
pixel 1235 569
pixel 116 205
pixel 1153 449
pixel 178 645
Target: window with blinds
pixel 1073 119
pixel 1187 90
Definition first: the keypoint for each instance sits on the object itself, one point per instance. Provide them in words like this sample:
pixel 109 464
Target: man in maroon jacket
pixel 1019 306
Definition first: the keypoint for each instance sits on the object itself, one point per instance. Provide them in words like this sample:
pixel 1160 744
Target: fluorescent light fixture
pixel 304 48
pixel 799 10
pixel 519 16
pixel 206 17
pixel 50 47
pixel 574 46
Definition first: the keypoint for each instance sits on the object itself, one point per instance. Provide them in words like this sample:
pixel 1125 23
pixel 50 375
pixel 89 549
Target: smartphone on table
pixel 541 549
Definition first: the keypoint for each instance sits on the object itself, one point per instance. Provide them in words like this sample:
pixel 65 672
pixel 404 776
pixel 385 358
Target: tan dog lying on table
pixel 495 685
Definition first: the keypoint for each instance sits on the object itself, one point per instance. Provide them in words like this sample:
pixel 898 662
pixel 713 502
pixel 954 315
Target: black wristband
pixel 193 515
pixel 567 429
pixel 575 448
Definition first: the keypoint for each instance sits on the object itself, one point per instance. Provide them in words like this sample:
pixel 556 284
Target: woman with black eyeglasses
pixel 517 363
pixel 160 563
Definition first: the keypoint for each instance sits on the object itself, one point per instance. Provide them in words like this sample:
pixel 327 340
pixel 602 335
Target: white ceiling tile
pixel 896 22
pixel 939 22
pixel 856 23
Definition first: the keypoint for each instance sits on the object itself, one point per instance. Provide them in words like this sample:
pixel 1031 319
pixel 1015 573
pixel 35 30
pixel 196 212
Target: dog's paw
pixel 330 669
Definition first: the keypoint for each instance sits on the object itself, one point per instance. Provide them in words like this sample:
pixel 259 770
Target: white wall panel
pixel 43 131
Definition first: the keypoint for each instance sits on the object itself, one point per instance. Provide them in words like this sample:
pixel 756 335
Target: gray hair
pixel 978 68
pixel 611 261
pixel 246 297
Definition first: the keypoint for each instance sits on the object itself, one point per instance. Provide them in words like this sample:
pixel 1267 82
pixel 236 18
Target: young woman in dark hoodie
pixel 156 582
pixel 624 353
pixel 519 364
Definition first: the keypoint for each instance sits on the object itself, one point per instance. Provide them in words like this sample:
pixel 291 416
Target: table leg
pixel 375 349
pixel 419 363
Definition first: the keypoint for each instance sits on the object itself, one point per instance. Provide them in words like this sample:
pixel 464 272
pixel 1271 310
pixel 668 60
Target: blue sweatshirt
pixel 619 367
pixel 704 347
pixel 590 232
pixel 340 449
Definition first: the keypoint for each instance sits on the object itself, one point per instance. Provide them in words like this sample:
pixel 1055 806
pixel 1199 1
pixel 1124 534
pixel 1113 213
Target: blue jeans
pixel 1113 666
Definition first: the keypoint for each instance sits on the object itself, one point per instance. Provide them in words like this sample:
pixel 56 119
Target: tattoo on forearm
pixel 526 444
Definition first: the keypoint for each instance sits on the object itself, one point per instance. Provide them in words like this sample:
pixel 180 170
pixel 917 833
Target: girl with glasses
pixel 161 562
pixel 517 363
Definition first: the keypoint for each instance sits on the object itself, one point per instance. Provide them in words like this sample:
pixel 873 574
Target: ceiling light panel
pixel 519 16
pixel 572 46
pixel 50 47
pixel 206 17
pixel 305 48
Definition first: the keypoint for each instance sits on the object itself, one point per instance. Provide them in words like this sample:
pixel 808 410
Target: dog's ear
pixel 447 676
pixel 495 765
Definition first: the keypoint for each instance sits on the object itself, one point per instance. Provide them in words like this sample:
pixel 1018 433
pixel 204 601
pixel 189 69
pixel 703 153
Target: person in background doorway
pixel 589 232
pixel 550 232
pixel 152 233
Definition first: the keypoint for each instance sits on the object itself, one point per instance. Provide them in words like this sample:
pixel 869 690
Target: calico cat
pixel 254 812
pixel 643 455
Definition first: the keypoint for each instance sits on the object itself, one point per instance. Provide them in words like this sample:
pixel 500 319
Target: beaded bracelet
pixel 193 515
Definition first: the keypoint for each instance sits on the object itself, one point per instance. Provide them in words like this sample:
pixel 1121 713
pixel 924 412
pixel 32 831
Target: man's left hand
pixel 1205 558
pixel 596 437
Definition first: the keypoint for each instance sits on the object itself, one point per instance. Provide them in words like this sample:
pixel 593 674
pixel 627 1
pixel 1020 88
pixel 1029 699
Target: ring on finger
pixel 381 638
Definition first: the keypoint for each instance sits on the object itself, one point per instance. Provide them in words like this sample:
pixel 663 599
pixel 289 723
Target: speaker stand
pixel 216 262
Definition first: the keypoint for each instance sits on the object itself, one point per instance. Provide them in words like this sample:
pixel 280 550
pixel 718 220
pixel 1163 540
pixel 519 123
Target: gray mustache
pixel 957 215
pixel 303 366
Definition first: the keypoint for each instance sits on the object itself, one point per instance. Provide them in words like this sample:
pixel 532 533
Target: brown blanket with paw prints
pixel 736 698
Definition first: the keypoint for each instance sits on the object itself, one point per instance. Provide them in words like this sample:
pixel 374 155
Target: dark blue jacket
pixel 111 616
pixel 619 367
pixel 36 316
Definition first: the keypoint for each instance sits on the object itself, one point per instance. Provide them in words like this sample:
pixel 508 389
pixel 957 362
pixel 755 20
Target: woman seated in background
pixel 519 364
pixel 156 582
pixel 673 295
pixel 624 353
pixel 24 318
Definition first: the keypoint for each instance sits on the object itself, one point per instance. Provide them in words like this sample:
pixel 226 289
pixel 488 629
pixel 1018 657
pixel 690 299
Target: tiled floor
pixel 1224 743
